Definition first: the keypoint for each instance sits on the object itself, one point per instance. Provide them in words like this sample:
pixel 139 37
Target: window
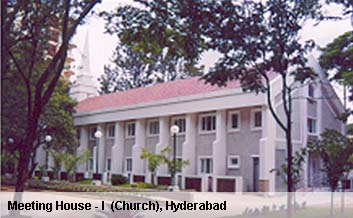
pixel 206 165
pixel 130 130
pixel 111 131
pixel 109 164
pixel 180 122
pixel 311 91
pixel 233 161
pixel 234 120
pixel 208 123
pixel 92 131
pixel 91 164
pixel 257 119
pixel 311 125
pixel 128 164
pixel 153 127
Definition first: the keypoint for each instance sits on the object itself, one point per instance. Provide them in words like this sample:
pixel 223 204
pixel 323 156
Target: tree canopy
pixel 337 57
pixel 28 31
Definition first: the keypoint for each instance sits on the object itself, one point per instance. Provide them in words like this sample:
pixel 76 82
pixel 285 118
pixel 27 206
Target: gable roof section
pixel 161 91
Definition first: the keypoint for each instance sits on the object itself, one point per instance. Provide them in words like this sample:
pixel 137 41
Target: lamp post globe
pixel 48 138
pixel 174 129
pixel 11 141
pixel 98 134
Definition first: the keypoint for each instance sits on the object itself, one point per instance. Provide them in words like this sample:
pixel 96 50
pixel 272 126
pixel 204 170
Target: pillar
pixel 117 156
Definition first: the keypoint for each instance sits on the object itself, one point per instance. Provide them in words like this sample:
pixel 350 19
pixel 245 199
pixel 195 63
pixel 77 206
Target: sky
pixel 102 45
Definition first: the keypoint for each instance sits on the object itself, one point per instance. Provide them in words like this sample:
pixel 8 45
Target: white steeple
pixel 84 86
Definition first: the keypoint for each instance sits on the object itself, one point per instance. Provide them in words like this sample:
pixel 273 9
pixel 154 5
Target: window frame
pixel 201 116
pixel 252 117
pixel 179 118
pixel 127 124
pixel 91 135
pixel 201 158
pixel 230 121
pixel 308 129
pixel 108 163
pixel 126 165
pixel 230 165
pixel 108 131
pixel 311 90
pixel 149 122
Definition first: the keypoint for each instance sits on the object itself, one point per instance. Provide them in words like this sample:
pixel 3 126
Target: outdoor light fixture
pixel 174 130
pixel 11 141
pixel 98 134
pixel 48 138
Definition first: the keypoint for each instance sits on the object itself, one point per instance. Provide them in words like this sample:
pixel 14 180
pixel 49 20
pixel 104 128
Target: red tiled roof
pixel 156 92
pixel 161 91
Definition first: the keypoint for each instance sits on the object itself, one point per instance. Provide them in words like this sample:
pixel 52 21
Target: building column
pixel 101 149
pixel 140 141
pixel 164 141
pixel 267 152
pixel 117 156
pixel 189 145
pixel 81 149
pixel 219 147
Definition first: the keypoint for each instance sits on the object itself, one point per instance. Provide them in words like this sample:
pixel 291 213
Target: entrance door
pixel 256 174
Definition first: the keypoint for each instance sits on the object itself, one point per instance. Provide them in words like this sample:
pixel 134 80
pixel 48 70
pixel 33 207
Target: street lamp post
pixel 48 139
pixel 174 130
pixel 97 134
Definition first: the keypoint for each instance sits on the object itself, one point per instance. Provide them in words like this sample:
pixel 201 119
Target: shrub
pixel 119 180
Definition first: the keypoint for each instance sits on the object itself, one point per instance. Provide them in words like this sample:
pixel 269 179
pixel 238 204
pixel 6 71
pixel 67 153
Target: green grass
pixel 142 185
pixel 85 182
pixel 303 213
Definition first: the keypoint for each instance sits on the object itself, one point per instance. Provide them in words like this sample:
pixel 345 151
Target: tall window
pixel 92 131
pixel 208 123
pixel 311 91
pixel 180 122
pixel 234 120
pixel 311 125
pixel 128 164
pixel 153 127
pixel 111 131
pixel 130 130
pixel 257 119
pixel 91 163
pixel 206 165
pixel 109 164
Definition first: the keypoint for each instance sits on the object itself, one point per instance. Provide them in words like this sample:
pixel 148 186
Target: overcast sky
pixel 102 45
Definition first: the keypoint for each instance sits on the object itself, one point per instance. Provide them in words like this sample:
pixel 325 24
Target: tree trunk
pixel 22 172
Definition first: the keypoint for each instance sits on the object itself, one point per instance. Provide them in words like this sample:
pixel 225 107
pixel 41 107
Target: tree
pixel 129 71
pixel 168 55
pixel 27 57
pixel 337 57
pixel 154 161
pixel 70 161
pixel 336 152
pixel 297 168
pixel 57 161
pixel 179 164
pixel 132 69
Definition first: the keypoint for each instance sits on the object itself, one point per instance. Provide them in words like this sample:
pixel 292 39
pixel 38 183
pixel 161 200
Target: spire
pixel 85 57
pixel 84 86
